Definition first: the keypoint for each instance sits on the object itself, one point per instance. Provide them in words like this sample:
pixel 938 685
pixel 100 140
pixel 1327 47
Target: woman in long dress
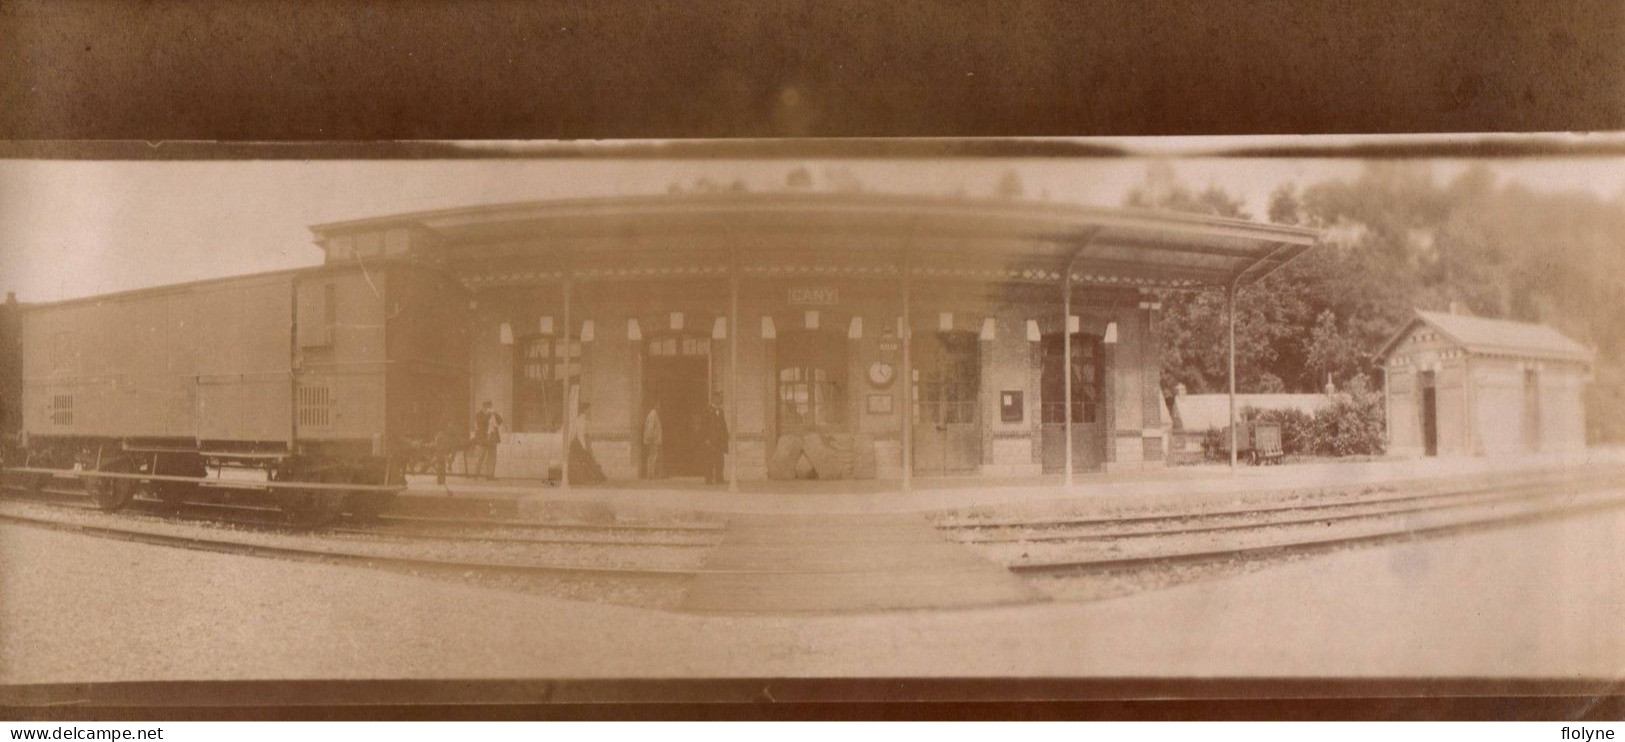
pixel 653 437
pixel 584 468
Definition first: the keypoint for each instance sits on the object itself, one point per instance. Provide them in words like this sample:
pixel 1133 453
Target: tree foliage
pixel 1396 239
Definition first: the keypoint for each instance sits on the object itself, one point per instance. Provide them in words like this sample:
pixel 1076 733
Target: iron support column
pixel 1230 307
pixel 906 329
pixel 1066 363
pixel 733 369
pixel 563 357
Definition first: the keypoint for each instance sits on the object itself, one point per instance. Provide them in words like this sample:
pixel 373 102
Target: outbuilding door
pixel 1531 411
pixel 1088 399
pixel 1430 414
pixel 947 387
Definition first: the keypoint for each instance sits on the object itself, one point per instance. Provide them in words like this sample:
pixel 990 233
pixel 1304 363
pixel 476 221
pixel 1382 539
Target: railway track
pixel 1556 507
pixel 1324 513
pixel 646 566
pixel 1414 492
pixel 330 554
pixel 466 530
pixel 1161 551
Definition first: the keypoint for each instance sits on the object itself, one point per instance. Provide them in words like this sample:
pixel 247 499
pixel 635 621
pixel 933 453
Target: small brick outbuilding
pixel 1468 386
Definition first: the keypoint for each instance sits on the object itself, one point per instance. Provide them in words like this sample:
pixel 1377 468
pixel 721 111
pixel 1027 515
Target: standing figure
pixel 444 448
pixel 653 437
pixel 584 468
pixel 714 440
pixel 487 434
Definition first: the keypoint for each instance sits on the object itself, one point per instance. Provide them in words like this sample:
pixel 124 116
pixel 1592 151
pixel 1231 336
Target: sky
pixel 79 228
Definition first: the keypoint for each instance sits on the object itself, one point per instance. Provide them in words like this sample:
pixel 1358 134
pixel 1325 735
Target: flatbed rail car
pixel 318 378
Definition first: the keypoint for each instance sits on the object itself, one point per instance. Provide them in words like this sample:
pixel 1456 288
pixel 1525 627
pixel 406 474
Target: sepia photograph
pixel 788 421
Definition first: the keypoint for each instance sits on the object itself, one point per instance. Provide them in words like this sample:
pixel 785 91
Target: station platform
pixel 668 498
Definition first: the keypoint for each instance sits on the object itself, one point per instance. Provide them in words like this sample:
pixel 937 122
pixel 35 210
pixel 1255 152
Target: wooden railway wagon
pixel 321 378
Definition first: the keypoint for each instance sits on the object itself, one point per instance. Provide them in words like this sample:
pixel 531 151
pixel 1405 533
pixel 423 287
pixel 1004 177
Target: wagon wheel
pixel 111 493
pixel 312 508
pixel 367 504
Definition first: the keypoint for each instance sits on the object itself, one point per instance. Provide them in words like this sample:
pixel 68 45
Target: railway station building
pixel 850 336
pixel 1468 386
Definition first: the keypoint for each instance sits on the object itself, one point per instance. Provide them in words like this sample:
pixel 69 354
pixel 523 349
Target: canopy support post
pixel 733 369
pixel 1230 309
pixel 564 358
pixel 906 329
pixel 1066 361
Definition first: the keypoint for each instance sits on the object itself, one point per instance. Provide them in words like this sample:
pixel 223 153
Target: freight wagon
pixel 316 382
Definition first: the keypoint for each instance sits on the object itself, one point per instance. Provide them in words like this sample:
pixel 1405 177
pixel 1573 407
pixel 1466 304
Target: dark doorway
pixel 1088 402
pixel 1430 415
pixel 947 392
pixel 676 381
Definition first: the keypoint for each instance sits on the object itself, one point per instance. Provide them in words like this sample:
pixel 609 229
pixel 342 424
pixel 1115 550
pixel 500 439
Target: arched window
pixel 540 364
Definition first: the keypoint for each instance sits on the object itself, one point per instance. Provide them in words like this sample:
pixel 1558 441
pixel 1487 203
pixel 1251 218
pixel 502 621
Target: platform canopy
pixel 1023 240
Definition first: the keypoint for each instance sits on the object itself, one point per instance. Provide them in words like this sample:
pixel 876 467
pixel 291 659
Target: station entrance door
pixel 947 390
pixel 676 383
pixel 1087 370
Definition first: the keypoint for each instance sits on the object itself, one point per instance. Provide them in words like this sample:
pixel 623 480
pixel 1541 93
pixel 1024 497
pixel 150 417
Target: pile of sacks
pixel 823 456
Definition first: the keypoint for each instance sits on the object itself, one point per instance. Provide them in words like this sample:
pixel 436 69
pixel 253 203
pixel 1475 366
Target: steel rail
pixel 1308 546
pixel 247 484
pixel 544 525
pixel 354 557
pixel 1465 499
pixel 494 538
pixel 241 548
pixel 1429 493
pixel 272 525
pixel 426 534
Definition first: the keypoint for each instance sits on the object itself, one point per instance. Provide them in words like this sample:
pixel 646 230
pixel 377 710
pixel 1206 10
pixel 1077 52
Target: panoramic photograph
pixel 1121 411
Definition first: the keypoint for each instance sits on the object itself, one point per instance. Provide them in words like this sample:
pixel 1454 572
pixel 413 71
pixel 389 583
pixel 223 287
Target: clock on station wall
pixel 881 374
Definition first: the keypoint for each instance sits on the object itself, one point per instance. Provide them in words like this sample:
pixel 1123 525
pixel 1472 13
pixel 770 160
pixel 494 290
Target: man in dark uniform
pixel 487 434
pixel 714 440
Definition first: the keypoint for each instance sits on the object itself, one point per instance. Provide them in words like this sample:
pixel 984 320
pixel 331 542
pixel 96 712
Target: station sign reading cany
pixel 814 296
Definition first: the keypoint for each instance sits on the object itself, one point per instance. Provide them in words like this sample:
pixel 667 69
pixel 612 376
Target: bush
pixel 1351 426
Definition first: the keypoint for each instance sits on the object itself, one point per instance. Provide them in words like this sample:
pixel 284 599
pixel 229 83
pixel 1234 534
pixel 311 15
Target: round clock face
pixel 881 373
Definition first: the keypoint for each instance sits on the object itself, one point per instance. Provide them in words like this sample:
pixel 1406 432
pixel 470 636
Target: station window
pixel 1088 379
pixel 811 378
pixel 947 379
pixel 540 366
